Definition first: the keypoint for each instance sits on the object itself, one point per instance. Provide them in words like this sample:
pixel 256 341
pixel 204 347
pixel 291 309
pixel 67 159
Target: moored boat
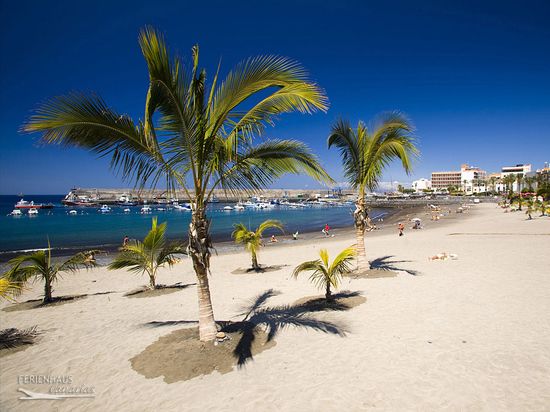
pixel 23 204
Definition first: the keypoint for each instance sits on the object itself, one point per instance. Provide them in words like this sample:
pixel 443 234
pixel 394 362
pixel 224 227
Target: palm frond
pixel 77 120
pixel 269 224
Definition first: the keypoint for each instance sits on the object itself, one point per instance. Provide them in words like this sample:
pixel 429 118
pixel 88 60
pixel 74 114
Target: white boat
pixel 161 209
pixel 227 208
pixel 73 212
pixel 214 199
pixel 145 210
pixel 186 207
pixel 238 206
pixel 126 210
pixel 15 212
pixel 33 211
pixel 104 209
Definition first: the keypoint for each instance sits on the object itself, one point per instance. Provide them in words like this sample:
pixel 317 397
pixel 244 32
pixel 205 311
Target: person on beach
pixel 273 239
pixel 401 228
pixel 125 241
pixel 326 230
pixel 295 236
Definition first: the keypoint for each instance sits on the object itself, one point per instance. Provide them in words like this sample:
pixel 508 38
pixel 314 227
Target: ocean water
pixel 89 228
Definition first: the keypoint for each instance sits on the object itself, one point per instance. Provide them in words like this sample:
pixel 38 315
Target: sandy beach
pixel 471 334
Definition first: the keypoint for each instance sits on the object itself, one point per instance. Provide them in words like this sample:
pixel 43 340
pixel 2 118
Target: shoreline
pixel 222 244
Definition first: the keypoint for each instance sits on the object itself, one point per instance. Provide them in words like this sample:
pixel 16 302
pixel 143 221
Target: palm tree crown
pixel 325 274
pixel 148 256
pixel 365 152
pixel 252 240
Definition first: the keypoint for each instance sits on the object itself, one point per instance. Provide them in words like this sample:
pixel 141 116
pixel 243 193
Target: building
pixel 519 169
pixel 469 179
pixel 421 185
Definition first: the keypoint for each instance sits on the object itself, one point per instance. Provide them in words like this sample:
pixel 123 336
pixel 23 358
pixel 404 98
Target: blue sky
pixel 474 76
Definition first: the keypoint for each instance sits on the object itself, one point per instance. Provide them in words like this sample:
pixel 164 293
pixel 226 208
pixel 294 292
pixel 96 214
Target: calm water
pixel 91 228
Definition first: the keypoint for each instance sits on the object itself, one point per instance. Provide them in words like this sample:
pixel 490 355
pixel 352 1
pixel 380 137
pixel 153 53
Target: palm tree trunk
pixel 361 217
pixel 47 290
pixel 255 264
pixel 152 283
pixel 328 295
pixel 199 250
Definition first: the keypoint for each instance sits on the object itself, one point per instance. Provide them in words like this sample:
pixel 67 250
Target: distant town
pixel 470 180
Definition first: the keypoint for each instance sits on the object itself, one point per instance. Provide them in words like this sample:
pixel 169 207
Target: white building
pixel 519 169
pixel 421 184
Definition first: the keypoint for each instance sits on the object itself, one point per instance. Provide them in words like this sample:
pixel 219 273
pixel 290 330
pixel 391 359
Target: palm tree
pixel 148 256
pixel 509 182
pixel 365 152
pixel 252 240
pixel 194 136
pixel 519 180
pixel 39 265
pixel 324 274
pixel 9 289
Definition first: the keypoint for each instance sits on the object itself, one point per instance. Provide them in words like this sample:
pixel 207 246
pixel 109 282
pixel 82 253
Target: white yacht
pixel 104 209
pixel 33 211
pixel 227 208
pixel 145 210
pixel 15 212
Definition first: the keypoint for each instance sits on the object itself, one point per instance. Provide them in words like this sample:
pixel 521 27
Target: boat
pixel 104 209
pixel 227 208
pixel 73 212
pixel 145 210
pixel 126 210
pixel 33 211
pixel 23 204
pixel 214 199
pixel 186 207
pixel 238 206
pixel 15 212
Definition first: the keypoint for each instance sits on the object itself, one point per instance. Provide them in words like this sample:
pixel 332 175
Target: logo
pixel 60 387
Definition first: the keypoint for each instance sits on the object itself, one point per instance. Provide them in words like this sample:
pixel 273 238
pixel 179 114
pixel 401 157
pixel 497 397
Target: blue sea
pixel 90 228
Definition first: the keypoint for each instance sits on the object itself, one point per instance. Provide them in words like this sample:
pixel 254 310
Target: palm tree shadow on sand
pixel 385 263
pixel 274 319
pixel 382 267
pixel 172 355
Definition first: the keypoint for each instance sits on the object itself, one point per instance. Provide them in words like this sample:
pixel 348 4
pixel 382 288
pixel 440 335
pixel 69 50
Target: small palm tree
pixel 9 289
pixel 252 240
pixel 365 153
pixel 39 265
pixel 148 256
pixel 324 274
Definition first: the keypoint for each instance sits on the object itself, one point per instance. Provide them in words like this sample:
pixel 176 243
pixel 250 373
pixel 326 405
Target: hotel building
pixel 470 179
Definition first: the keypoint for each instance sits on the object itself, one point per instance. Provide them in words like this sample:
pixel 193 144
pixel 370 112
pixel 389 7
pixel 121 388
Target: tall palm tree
pixel 325 274
pixel 194 136
pixel 252 240
pixel 148 256
pixel 365 153
pixel 519 180
pixel 39 265
pixel 509 182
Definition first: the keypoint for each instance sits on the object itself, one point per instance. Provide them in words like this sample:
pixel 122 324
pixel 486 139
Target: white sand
pixel 465 335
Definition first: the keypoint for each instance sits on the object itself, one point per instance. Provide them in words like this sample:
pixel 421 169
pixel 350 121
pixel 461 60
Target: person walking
pixel 401 228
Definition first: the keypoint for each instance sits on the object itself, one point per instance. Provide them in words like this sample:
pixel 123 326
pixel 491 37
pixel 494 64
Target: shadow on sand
pixel 181 356
pixel 382 267
pixel 56 301
pixel 160 290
